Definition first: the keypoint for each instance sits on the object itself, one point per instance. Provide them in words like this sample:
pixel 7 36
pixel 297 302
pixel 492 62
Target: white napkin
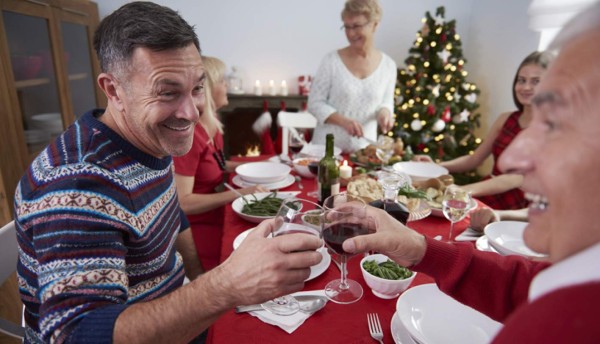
pixel 288 323
pixel 469 235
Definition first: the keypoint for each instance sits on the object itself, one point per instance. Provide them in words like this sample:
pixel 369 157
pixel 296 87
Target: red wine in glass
pixel 335 235
pixel 295 148
pixel 397 210
pixel 313 167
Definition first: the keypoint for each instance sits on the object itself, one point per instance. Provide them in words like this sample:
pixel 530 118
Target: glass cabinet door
pixel 79 67
pixel 35 80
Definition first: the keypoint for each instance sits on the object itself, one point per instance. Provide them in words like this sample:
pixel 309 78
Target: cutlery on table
pixel 375 327
pixel 309 304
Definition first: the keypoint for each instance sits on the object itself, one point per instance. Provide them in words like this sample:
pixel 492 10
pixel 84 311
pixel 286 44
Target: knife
pixel 258 307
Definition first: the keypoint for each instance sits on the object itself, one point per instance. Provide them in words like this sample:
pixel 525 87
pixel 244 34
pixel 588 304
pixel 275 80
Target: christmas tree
pixel 435 103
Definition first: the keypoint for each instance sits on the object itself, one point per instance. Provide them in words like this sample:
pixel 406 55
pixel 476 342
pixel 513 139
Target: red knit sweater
pixel 498 287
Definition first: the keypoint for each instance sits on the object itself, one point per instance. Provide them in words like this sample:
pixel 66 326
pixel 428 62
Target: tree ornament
pixel 464 116
pixel 436 91
pixel 471 98
pixel 446 115
pixel 416 125
pixel 438 126
pixel 431 110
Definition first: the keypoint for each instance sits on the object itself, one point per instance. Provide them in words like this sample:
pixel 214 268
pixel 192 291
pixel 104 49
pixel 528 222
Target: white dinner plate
pixel 431 317
pixel 420 170
pixel 238 204
pixel 439 213
pixel 399 332
pixel 289 180
pixel 263 172
pixel 483 244
pixel 507 238
pixel 315 270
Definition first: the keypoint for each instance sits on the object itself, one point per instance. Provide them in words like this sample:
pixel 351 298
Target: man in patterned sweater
pixel 99 224
pixel 558 155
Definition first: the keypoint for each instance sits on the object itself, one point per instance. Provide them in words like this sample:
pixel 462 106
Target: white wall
pixel 281 39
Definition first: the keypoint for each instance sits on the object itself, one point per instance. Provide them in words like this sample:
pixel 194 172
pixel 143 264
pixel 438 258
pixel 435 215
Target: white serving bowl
pixel 506 237
pixel 381 287
pixel 302 169
pixel 263 172
pixel 238 205
pixel 420 170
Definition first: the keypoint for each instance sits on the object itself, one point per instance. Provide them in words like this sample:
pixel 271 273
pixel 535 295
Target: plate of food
pixel 367 157
pixel 260 206
pixel 315 270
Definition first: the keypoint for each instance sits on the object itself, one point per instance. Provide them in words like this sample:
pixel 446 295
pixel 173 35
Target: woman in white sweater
pixel 353 90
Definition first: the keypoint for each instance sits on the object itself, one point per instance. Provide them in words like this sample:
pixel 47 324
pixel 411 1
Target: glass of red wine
pixel 295 215
pixel 344 218
pixel 296 142
pixel 313 167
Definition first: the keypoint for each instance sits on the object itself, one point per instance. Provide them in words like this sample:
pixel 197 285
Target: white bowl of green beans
pixel 260 206
pixel 386 278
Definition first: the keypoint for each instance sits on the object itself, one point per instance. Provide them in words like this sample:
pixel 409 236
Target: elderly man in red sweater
pixel 558 155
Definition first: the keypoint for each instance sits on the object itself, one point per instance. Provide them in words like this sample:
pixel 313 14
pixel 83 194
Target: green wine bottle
pixel 329 173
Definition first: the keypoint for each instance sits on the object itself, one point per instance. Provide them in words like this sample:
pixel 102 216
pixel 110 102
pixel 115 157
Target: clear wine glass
pixel 296 141
pixel 313 167
pixel 455 206
pixel 384 149
pixel 340 223
pixel 295 215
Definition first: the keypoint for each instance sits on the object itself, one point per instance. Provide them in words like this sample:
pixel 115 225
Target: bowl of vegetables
pixel 386 278
pixel 260 206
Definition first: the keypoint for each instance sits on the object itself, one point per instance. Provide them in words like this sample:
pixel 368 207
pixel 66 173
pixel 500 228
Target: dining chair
pixel 289 121
pixel 8 265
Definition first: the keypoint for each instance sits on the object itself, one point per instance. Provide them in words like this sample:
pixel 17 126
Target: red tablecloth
pixel 335 323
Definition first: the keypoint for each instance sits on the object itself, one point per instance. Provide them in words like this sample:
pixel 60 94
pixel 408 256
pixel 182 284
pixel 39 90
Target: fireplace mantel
pixel 241 112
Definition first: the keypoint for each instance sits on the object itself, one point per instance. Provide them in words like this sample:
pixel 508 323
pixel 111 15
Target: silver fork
pixel 375 327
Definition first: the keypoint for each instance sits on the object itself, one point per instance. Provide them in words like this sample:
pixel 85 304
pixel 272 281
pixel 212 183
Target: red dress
pixel 514 198
pixel 199 162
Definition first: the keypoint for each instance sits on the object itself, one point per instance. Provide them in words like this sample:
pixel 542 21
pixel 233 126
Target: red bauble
pixel 431 110
pixel 421 147
pixel 446 115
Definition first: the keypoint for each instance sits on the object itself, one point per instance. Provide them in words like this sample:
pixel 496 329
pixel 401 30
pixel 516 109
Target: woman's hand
pixel 253 189
pixel 354 128
pixel 422 158
pixel 385 120
pixel 481 217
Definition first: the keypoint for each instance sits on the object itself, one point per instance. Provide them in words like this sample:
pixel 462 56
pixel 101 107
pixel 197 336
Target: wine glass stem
pixel 451 228
pixel 344 282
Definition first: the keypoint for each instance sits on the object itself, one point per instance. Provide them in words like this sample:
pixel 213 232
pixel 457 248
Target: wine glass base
pixel 337 294
pixel 285 305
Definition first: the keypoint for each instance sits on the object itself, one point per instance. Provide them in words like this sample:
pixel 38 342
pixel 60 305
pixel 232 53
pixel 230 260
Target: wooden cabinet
pixel 47 76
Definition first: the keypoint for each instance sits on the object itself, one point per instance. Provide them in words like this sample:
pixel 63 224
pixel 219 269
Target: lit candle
pixel 272 90
pixel 284 89
pixel 345 170
pixel 257 88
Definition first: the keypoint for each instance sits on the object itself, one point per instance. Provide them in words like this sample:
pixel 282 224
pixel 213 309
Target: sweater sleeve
pixel 388 94
pixel 320 88
pixel 492 284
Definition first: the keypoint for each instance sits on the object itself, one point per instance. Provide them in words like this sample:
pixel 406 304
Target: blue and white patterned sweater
pixel 97 221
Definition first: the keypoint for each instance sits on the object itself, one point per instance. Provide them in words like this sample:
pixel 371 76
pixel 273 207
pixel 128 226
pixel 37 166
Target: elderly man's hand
pixel 400 243
pixel 262 268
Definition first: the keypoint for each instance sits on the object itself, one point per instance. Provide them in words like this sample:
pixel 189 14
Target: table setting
pixel 346 321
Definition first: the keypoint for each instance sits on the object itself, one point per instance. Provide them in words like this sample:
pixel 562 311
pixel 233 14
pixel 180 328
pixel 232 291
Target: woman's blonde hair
pixel 214 72
pixel 369 8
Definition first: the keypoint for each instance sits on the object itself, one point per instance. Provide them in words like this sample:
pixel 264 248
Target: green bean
pixel 408 191
pixel 387 270
pixel 267 206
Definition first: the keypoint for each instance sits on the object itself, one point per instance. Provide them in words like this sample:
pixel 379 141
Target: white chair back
pixel 9 254
pixel 287 120
pixel 8 251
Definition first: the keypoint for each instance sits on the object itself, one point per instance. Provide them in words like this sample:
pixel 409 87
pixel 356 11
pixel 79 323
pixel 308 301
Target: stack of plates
pixel 506 237
pixel 430 316
pixel 271 175
pixel 35 136
pixel 50 122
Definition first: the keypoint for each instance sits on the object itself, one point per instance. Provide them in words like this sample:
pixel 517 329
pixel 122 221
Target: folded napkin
pixel 288 323
pixel 469 235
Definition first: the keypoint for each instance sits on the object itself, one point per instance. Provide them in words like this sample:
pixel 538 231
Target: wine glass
pixel 384 149
pixel 340 223
pixel 295 215
pixel 313 167
pixel 296 141
pixel 455 206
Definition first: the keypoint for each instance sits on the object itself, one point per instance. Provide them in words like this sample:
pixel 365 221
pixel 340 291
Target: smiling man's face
pixel 162 100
